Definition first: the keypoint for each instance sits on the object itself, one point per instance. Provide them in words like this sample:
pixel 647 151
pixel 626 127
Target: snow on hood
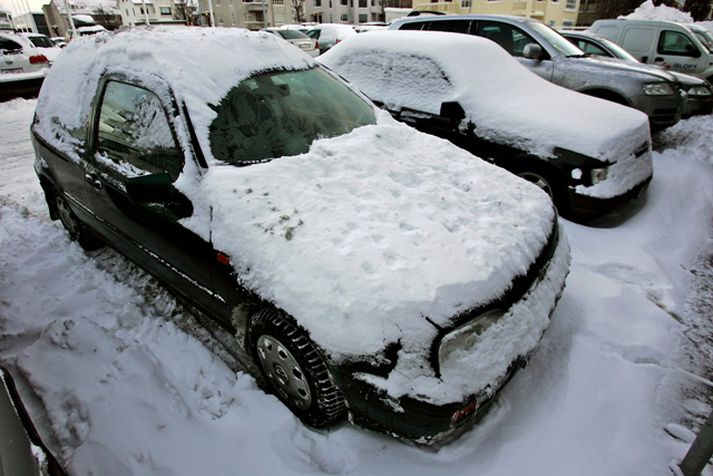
pixel 507 102
pixel 649 11
pixel 367 233
pixel 200 65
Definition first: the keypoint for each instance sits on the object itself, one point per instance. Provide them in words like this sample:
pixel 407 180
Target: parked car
pixel 329 34
pixel 365 268
pixel 665 43
pixel 44 45
pixel 546 53
pixel 698 92
pixel 589 155
pixel 297 39
pixel 22 67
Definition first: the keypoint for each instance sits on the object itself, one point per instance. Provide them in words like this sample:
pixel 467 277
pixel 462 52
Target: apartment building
pixel 250 14
pixel 138 12
pixel 343 11
pixel 556 13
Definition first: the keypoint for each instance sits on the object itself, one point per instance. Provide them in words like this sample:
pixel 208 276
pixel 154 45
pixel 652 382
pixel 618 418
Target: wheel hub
pixel 283 371
pixel 66 216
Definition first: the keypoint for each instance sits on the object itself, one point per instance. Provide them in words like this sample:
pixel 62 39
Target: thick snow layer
pixel 628 172
pixel 130 392
pixel 367 233
pixel 506 102
pixel 177 56
pixel 649 11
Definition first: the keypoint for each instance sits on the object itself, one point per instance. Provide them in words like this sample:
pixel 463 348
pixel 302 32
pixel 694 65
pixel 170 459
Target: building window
pixel 165 10
pixel 363 18
pixel 344 17
pixel 363 3
pixel 317 3
pixel 465 3
pixel 570 24
pixel 278 2
pixel 344 2
pixel 571 5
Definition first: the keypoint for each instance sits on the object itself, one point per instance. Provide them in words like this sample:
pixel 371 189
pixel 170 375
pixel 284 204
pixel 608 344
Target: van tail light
pixel 38 59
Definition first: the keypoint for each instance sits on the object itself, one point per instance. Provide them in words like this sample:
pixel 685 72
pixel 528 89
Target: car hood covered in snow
pixel 506 102
pixel 370 235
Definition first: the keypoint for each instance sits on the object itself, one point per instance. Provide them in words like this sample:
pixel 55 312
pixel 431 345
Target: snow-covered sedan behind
pixel 366 268
pixel 590 155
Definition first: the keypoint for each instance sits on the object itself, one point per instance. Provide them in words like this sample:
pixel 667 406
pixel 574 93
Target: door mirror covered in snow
pixel 279 203
pixel 532 51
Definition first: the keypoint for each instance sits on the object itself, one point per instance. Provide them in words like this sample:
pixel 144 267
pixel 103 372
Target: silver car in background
pixel 297 39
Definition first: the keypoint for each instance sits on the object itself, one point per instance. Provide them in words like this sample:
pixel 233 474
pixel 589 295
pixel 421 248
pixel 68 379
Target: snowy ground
pixel 128 384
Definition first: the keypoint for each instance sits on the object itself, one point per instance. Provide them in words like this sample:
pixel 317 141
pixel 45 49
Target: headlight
pixel 599 175
pixel 467 335
pixel 699 91
pixel 658 89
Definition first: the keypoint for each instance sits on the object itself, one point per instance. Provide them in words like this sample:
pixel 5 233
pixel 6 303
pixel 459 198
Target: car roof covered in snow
pixel 506 102
pixel 200 66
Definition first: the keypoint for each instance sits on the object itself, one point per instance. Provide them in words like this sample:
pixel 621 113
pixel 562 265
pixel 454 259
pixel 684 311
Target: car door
pixel 514 40
pixel 134 161
pixel 677 50
pixel 12 59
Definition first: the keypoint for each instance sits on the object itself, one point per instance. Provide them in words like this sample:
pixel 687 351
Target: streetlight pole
pixel 70 19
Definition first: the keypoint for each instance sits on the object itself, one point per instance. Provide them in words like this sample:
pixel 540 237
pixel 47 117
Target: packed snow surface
pixel 367 234
pixel 127 388
pixel 176 57
pixel 422 70
pixel 649 11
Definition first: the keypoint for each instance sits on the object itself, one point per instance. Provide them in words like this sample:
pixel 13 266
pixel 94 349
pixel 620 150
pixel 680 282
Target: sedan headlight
pixel 699 91
pixel 658 89
pixel 467 335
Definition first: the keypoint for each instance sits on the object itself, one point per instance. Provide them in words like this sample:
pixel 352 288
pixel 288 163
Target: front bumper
pixel 416 417
pixel 694 106
pixel 592 206
pixel 663 111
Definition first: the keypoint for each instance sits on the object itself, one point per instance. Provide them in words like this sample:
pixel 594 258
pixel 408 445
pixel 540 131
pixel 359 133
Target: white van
pixel 665 43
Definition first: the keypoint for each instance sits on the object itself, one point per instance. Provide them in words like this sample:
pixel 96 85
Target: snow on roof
pixel 200 64
pixel 649 11
pixel 506 102
pixel 84 18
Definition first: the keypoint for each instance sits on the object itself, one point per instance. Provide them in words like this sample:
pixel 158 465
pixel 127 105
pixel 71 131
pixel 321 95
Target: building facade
pixel 556 13
pixel 139 12
pixel 252 14
pixel 354 12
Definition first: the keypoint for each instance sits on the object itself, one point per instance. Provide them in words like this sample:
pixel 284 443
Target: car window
pixel 675 43
pixel 42 42
pixel 511 38
pixel 314 34
pixel 455 26
pixel 281 113
pixel 291 34
pixel 133 131
pixel 416 25
pixel 7 45
pixel 590 48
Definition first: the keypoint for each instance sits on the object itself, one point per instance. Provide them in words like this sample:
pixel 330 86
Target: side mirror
pixel 152 188
pixel 452 110
pixel 532 51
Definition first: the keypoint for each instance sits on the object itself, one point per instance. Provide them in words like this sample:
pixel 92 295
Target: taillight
pixel 316 44
pixel 38 59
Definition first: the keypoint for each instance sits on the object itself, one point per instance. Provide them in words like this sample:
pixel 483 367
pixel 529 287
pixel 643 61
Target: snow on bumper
pixel 624 175
pixel 479 371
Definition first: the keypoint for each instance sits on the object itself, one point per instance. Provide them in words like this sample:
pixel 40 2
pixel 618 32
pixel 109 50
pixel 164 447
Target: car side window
pixel 511 38
pixel 416 25
pixel 133 132
pixel 675 43
pixel 7 45
pixel 455 26
pixel 591 48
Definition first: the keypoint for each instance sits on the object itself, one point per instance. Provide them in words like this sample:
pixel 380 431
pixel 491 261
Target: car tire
pixel 546 180
pixel 77 230
pixel 295 369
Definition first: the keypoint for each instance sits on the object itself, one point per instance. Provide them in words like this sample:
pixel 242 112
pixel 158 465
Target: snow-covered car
pixel 365 268
pixel 22 67
pixel 698 92
pixel 329 34
pixel 546 53
pixel 590 155
pixel 297 39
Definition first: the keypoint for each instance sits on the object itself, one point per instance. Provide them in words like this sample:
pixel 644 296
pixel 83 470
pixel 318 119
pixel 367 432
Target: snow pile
pixel 649 11
pixel 368 233
pixel 690 137
pixel 175 56
pixel 422 70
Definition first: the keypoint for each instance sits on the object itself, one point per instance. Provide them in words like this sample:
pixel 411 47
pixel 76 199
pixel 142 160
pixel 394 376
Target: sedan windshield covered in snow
pixel 281 113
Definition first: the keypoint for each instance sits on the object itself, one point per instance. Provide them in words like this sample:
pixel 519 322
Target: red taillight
pixel 38 59
pixel 223 259
pixel 316 44
pixel 468 410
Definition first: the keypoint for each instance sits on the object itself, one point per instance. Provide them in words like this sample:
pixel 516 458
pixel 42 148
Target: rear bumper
pixel 24 85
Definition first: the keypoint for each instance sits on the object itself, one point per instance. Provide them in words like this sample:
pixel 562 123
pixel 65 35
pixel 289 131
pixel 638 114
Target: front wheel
pixel 295 369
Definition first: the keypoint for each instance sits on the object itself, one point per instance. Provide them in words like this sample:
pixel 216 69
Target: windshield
pixel 705 39
pixel 618 51
pixel 557 41
pixel 281 113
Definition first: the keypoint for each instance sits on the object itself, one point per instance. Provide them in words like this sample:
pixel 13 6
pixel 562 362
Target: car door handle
pixel 657 59
pixel 94 181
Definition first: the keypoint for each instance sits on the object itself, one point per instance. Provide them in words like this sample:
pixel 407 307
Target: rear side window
pixel 416 25
pixel 455 26
pixel 675 43
pixel 9 45
pixel 591 48
pixel 510 38
pixel 638 40
pixel 133 132
pixel 41 42
pixel 314 34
